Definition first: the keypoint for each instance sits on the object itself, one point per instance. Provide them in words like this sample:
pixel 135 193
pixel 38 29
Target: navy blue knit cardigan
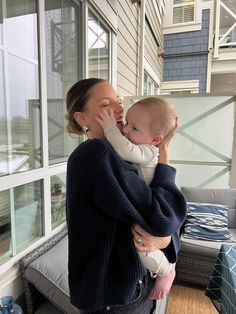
pixel 105 197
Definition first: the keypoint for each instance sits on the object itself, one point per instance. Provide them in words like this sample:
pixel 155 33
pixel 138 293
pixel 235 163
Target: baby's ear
pixel 157 140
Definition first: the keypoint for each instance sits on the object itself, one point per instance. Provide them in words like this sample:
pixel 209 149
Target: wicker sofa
pixel 197 257
pixel 44 275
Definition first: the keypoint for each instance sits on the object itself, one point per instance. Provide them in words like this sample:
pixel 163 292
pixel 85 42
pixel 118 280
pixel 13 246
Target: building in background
pixel 199 46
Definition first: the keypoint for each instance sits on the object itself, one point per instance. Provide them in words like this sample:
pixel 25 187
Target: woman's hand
pixel 145 242
pixel 163 146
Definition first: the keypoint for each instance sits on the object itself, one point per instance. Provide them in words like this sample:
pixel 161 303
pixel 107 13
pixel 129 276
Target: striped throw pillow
pixel 207 222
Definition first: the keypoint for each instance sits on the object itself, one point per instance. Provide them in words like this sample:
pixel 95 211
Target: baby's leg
pixel 156 262
pixel 162 286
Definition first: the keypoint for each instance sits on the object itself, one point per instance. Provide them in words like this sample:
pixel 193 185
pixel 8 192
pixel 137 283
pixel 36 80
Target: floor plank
pixel 189 300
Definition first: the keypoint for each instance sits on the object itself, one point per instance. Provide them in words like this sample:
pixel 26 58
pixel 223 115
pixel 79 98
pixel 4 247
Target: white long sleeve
pixel 140 154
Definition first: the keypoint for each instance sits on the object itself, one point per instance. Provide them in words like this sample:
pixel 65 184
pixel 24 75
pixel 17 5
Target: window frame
pixel 46 171
pixel 184 5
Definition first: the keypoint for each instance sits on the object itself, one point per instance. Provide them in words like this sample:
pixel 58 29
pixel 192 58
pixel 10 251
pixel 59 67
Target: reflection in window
pixel 58 199
pixel 27 213
pixel 98 48
pixel 150 87
pixel 61 29
pixel 20 218
pixel 5 226
pixel 1 20
pixel 19 100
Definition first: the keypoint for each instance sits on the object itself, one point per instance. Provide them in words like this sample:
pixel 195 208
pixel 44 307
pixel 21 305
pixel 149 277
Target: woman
pixel 105 197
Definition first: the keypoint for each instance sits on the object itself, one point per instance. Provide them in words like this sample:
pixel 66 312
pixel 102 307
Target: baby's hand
pixel 106 118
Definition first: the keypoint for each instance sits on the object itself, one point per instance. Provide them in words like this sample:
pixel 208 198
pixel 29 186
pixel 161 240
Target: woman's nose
pixel 118 107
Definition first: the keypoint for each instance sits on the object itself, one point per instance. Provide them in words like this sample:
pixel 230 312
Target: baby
pixel 148 121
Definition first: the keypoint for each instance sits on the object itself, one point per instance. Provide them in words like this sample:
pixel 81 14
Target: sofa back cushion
pixel 214 196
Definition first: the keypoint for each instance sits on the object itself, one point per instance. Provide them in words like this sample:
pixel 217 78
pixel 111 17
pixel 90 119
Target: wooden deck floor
pixel 189 300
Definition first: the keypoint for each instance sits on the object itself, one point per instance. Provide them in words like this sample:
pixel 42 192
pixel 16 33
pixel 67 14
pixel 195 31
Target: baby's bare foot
pixel 162 286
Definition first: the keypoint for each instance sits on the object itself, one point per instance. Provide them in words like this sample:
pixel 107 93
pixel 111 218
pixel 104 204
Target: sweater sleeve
pixel 140 154
pixel 118 191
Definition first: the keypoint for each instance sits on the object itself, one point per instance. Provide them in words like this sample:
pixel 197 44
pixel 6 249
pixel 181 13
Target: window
pixel 150 87
pixel 98 48
pixel 34 143
pixel 62 31
pixel 183 11
pixel 19 85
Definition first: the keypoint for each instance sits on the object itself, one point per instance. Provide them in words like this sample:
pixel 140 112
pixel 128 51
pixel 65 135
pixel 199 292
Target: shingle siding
pixel 186 55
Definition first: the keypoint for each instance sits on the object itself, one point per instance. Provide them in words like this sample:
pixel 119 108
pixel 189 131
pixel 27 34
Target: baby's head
pixel 149 120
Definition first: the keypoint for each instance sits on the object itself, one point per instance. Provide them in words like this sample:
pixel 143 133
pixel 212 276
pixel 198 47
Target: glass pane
pixel 28 213
pixel 19 100
pixel 3 123
pixel 202 176
pixel 1 20
pixel 58 199
pixel 98 48
pixel 203 138
pixel 145 84
pixel 198 138
pixel 61 27
pixel 21 28
pixel 5 226
pixel 183 14
pixel 182 1
pixel 25 115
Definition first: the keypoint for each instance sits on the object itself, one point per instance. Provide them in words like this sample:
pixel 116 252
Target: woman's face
pixel 101 96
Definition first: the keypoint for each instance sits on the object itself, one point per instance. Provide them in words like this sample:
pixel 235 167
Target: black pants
pixel 139 305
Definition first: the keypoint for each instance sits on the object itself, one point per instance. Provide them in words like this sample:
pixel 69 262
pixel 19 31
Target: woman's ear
pixel 157 140
pixel 79 118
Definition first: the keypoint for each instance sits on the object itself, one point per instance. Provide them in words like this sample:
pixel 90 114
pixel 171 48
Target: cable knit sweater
pixel 105 197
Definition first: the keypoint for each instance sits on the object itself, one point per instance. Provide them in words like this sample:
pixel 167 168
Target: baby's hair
pixel 163 114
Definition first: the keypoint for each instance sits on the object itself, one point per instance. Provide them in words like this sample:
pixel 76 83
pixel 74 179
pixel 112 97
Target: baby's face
pixel 137 128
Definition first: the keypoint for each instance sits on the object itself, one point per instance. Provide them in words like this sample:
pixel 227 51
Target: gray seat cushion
pixel 203 247
pixel 213 196
pixel 49 274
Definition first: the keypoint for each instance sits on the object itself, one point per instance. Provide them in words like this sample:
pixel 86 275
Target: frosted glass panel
pixel 201 175
pixel 202 135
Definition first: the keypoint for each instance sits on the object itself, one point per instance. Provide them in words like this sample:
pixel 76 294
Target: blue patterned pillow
pixel 207 222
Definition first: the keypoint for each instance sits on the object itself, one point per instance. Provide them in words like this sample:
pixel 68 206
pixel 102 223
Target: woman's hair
pixel 76 100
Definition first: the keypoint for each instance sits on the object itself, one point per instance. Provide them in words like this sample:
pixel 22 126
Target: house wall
pixel 186 54
pixel 127 47
pixel 153 40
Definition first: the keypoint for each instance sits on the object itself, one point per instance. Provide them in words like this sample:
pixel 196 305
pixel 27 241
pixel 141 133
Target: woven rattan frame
pixel 33 297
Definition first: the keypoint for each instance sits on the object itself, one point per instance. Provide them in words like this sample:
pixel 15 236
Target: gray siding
pixel 127 50
pixel 153 40
pixel 186 55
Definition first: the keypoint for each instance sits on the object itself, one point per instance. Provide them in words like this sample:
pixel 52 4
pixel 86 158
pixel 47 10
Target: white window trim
pixel 151 72
pixel 175 86
pixel 169 27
